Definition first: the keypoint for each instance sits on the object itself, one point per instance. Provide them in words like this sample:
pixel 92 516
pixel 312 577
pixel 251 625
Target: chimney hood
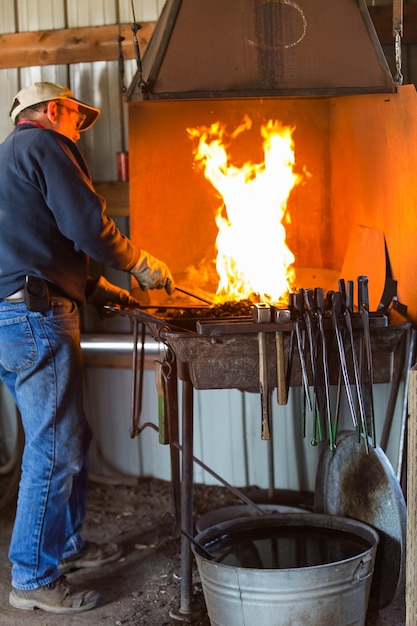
pixel 260 48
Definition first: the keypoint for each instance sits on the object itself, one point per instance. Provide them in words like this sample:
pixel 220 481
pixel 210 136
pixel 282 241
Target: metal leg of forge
pixel 185 611
pixel 187 496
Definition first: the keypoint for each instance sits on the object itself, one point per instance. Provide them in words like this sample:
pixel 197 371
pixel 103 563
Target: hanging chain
pixel 398 76
pixel 397 26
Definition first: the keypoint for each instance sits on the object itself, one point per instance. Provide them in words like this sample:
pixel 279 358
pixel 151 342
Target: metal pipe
pixel 93 344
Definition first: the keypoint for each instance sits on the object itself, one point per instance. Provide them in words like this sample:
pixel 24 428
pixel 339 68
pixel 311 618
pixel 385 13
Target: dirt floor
pixel 143 587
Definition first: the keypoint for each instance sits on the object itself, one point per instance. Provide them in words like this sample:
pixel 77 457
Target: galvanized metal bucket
pixel 334 593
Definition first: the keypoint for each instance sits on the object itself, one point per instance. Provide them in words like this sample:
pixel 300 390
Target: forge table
pixel 243 354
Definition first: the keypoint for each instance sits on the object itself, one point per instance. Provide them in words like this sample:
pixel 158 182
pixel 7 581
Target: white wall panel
pixel 8 78
pixel 96 83
pixel 39 14
pixel 9 86
pixel 294 459
pixel 113 452
pixel 145 10
pixel 219 435
pixel 91 13
pixel 7 16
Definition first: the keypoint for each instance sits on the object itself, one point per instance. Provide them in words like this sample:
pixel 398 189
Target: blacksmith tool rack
pixel 316 342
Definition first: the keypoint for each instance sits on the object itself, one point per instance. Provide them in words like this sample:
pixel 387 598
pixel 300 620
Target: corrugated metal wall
pixel 97 82
pixel 227 422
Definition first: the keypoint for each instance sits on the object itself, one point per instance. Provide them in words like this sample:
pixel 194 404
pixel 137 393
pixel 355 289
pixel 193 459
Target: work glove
pixel 107 293
pixel 151 273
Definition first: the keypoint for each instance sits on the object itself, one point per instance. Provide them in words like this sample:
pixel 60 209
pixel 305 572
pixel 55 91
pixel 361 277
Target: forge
pixel 316 67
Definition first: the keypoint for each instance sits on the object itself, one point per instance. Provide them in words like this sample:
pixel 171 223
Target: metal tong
pixel 337 308
pixel 348 311
pixel 262 311
pixel 363 304
pixel 297 306
pixel 310 318
pixel 320 305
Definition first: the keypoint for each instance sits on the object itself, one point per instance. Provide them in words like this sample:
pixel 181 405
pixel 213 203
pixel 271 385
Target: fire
pixel 252 254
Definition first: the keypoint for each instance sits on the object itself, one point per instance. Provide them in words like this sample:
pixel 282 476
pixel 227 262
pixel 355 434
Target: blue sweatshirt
pixel 51 218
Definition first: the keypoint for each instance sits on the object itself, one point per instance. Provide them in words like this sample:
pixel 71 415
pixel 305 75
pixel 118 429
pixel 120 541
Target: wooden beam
pixel 100 43
pixel 71 45
pixel 382 20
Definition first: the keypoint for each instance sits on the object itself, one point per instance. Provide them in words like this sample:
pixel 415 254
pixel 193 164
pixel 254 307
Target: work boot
pixel 92 555
pixel 57 597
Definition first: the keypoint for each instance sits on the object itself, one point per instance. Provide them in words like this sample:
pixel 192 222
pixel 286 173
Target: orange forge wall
pixel 373 182
pixel 360 153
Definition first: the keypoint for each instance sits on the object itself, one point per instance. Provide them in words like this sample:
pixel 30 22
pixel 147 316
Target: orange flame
pixel 252 255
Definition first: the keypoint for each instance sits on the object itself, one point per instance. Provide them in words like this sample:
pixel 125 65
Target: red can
pixel 123 166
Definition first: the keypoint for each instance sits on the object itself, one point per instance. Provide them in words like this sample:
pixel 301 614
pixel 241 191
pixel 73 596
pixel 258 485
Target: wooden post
pixel 411 558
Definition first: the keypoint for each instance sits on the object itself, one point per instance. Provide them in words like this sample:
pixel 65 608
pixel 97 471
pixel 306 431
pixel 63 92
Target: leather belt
pixel 17 296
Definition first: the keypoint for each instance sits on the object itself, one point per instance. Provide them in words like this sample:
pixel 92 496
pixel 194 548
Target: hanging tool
pixel 337 311
pixel 262 313
pixel 290 360
pixel 281 316
pixel 163 371
pixel 289 370
pixel 320 304
pixel 159 383
pixel 363 304
pixel 348 311
pixel 282 396
pixel 137 387
pixel 135 27
pixel 311 326
pixel 297 306
pixel 337 404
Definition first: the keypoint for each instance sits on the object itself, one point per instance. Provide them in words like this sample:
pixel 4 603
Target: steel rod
pixel 224 482
pixel 192 295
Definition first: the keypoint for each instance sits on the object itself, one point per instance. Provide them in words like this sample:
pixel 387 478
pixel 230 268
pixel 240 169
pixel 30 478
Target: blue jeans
pixel 41 364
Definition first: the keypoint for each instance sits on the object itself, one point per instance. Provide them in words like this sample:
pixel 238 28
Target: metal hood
pixel 252 48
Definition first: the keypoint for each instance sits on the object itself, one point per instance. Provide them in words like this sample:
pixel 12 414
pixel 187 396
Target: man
pixel 51 222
